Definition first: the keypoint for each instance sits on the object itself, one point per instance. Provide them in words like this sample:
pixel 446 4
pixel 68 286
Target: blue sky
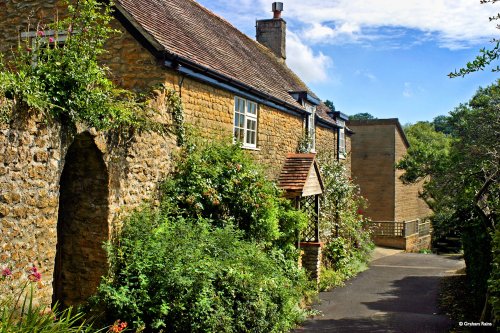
pixel 389 58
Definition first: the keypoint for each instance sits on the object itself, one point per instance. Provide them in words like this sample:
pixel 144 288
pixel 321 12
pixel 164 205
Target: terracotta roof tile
pixel 322 112
pixel 295 171
pixel 186 29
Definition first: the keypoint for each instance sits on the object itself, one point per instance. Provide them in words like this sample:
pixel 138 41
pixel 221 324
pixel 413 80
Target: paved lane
pixel 398 293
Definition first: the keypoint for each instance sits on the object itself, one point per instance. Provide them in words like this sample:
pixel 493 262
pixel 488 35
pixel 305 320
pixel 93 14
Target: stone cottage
pixel 398 213
pixel 61 189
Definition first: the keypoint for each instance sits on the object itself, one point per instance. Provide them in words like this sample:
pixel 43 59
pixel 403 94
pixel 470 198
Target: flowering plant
pixel 20 311
pixel 55 70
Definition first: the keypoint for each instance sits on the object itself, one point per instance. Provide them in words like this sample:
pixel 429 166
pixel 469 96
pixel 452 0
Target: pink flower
pixel 6 272
pixel 34 274
pixel 51 40
pixel 40 33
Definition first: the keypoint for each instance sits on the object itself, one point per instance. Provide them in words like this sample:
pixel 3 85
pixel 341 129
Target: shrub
pixel 220 181
pixel 61 77
pixel 184 275
pixel 343 227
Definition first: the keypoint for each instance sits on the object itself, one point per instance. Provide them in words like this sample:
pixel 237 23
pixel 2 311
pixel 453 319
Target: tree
pixel 461 171
pixel 330 105
pixel 442 124
pixel 361 116
pixel 485 57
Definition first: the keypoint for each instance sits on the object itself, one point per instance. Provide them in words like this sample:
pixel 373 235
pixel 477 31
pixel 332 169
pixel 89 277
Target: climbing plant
pixel 175 104
pixel 54 69
pixel 344 229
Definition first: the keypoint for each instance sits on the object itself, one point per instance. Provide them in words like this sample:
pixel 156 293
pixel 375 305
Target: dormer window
pixel 245 122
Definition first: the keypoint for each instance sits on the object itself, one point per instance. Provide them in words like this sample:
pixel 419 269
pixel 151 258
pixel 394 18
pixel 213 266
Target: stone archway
pixel 82 225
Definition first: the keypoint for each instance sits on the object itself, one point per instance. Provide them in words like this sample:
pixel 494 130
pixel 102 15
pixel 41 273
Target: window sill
pixel 250 148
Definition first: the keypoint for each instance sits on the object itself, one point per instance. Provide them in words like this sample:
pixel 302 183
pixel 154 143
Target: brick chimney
pixel 272 32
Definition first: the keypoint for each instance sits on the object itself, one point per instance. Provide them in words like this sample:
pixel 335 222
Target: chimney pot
pixel 277 9
pixel 272 32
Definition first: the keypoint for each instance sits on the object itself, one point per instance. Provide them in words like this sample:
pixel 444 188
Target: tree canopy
pixel 362 116
pixel 460 162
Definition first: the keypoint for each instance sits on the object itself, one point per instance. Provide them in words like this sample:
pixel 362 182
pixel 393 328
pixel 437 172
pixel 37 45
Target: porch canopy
pixel 301 180
pixel 300 176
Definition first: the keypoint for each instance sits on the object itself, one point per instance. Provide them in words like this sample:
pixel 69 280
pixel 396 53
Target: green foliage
pixel 19 313
pixel 463 185
pixel 331 277
pixel 217 254
pixel 441 124
pixel 57 72
pixel 494 281
pixel 221 182
pixel 362 116
pixel 184 275
pixel 427 153
pixel 175 102
pixel 330 105
pixel 343 227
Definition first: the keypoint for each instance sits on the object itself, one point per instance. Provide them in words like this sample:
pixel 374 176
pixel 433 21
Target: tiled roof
pixel 185 29
pixel 296 171
pixel 322 112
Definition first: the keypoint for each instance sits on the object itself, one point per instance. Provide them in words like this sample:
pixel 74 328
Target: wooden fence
pixel 401 229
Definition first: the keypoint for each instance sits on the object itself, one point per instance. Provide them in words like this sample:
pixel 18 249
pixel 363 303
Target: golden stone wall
pixel 32 153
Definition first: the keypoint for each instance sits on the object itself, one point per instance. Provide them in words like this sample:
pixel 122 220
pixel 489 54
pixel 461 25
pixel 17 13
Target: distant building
pixel 398 213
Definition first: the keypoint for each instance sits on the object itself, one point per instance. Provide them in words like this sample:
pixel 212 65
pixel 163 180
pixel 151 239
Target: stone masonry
pixel 63 189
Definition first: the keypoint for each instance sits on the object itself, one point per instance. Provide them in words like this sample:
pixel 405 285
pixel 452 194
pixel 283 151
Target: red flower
pixel 118 326
pixel 360 211
pixel 40 33
pixel 34 274
pixel 6 272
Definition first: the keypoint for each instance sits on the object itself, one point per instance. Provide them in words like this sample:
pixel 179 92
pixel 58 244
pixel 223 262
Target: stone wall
pixel 38 175
pixel 373 158
pixel 408 206
pixel 311 259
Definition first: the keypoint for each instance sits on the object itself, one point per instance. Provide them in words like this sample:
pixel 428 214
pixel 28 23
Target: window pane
pixel 242 121
pixel 251 124
pixel 242 106
pixel 250 137
pixel 236 119
pixel 252 108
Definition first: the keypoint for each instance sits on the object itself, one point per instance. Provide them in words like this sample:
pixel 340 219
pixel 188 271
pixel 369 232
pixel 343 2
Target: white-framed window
pixel 245 122
pixel 45 39
pixel 342 147
pixel 311 128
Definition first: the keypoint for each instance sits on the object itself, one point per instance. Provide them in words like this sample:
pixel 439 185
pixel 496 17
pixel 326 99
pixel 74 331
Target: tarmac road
pixel 398 293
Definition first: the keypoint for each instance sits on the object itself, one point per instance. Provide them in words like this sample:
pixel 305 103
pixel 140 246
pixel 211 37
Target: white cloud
pixel 310 66
pixel 366 74
pixel 453 23
pixel 407 90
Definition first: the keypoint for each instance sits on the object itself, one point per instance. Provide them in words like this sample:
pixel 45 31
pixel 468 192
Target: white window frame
pixel 311 127
pixel 244 116
pixel 60 38
pixel 341 138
